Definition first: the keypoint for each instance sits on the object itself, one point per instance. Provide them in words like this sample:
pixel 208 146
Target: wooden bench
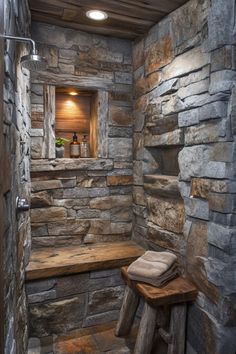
pixel 164 308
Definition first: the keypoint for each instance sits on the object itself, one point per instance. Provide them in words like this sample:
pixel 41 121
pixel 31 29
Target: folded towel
pixel 155 268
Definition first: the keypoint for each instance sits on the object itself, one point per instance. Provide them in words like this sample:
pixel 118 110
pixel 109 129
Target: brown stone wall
pixel 184 159
pixel 92 197
pixel 15 170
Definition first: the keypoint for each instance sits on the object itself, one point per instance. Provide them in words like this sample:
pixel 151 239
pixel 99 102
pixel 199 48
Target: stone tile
pixel 121 116
pixel 168 214
pixel 85 345
pixel 47 214
pixel 158 55
pixel 186 63
pixel 105 300
pixel 119 180
pixel 56 317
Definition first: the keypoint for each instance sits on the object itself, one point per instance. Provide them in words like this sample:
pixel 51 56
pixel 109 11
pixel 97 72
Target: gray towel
pixel 155 268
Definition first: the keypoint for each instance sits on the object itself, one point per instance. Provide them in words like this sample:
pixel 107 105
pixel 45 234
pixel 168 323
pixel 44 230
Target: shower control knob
pixel 22 204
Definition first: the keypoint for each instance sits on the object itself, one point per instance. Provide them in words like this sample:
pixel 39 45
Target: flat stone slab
pixel 163 185
pixel 42 165
pixel 48 262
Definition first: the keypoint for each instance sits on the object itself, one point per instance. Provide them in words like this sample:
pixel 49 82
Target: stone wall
pixel 92 196
pixel 58 305
pixel 16 177
pixel 79 202
pixel 184 158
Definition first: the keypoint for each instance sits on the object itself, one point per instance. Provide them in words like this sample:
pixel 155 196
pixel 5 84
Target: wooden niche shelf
pixel 75 112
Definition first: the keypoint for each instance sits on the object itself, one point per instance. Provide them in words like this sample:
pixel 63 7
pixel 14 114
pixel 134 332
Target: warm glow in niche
pixel 74 113
pixel 73 93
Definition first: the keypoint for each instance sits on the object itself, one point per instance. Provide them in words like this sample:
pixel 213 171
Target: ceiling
pixel 127 18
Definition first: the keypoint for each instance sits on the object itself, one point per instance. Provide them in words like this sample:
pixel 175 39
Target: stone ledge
pixel 45 263
pixel 84 164
pixel 162 185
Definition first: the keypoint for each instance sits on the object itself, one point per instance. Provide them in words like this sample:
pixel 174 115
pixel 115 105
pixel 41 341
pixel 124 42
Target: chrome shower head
pixel 31 61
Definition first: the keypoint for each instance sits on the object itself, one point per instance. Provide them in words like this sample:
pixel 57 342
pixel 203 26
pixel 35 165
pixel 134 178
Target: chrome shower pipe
pixel 22 39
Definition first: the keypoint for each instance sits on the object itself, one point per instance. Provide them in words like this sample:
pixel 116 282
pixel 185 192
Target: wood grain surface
pixel 127 18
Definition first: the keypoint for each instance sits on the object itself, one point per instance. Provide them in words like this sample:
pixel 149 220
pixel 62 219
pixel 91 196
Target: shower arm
pixel 21 39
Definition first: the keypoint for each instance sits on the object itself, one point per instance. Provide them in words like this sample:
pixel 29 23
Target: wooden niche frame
pixel 98 123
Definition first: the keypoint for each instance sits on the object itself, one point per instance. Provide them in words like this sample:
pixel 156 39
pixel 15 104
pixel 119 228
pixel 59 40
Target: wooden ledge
pixel 45 263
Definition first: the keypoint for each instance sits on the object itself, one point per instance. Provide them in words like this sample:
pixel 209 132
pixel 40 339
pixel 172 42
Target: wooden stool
pixel 173 297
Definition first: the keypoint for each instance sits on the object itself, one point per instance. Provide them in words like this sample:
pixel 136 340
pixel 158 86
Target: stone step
pixel 46 262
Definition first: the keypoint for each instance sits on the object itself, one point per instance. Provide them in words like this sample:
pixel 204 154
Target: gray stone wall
pixel 16 176
pixel 184 159
pixel 96 197
pixel 58 305
pixel 79 202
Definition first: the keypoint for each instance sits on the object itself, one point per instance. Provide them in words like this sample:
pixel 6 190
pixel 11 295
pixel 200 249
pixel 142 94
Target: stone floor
pixel 93 340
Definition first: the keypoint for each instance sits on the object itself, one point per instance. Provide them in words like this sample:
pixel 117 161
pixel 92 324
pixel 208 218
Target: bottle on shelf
pixel 75 147
pixel 84 147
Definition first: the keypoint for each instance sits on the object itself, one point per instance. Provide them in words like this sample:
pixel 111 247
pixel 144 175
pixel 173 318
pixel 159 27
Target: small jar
pixel 84 147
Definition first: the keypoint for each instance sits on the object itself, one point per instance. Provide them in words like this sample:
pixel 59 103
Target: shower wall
pixel 78 201
pixel 184 159
pixel 15 170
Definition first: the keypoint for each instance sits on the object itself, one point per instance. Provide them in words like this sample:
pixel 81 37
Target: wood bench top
pixel 47 262
pixel 176 291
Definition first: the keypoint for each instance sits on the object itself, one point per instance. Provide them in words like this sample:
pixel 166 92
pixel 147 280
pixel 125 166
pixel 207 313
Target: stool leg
pixel 144 341
pixel 127 312
pixel 177 329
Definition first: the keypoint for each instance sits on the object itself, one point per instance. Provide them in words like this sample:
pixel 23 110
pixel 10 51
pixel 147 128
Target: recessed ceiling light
pixel 97 15
pixel 73 93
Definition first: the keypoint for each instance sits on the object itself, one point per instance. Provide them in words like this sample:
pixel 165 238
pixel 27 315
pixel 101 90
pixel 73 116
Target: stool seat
pixel 171 328
pixel 176 291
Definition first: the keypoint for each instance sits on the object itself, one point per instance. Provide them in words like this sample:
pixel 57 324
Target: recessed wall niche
pixel 75 112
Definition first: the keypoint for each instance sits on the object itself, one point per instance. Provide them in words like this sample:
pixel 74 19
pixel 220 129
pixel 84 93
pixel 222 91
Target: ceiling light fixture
pixel 97 15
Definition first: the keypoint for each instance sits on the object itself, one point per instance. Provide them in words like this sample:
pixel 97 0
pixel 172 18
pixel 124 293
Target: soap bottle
pixel 74 147
pixel 85 151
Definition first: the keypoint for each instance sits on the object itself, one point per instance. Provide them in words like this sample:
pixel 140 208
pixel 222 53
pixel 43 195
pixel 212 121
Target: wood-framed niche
pixel 75 111
pixel 94 123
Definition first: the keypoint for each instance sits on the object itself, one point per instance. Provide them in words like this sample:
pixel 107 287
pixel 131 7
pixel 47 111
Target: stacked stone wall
pixel 93 200
pixel 58 305
pixel 184 158
pixel 16 177
pixel 79 202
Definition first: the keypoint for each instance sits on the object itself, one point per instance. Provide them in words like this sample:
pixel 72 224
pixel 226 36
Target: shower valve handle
pixel 22 204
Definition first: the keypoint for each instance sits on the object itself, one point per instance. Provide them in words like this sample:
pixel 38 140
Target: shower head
pixel 32 61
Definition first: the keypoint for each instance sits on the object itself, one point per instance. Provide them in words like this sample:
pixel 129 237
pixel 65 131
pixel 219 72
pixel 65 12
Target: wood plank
pixel 127 312
pixel 144 341
pixel 102 124
pixel 126 18
pixel 177 332
pixel 46 263
pixel 176 291
pixel 2 254
pixel 49 121
pixel 103 30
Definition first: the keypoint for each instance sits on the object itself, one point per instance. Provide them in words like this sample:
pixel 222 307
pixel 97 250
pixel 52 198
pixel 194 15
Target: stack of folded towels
pixel 155 268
